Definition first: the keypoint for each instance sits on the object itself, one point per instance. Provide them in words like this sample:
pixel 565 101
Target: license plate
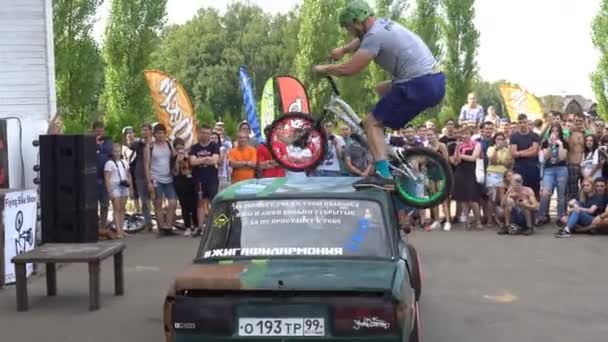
pixel 281 327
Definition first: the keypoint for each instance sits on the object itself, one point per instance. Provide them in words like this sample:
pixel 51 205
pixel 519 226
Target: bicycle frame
pixel 342 110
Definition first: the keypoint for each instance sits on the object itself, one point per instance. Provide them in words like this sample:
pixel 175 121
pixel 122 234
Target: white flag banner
pixel 20 211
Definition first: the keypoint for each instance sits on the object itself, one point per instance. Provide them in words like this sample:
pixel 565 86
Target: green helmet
pixel 355 11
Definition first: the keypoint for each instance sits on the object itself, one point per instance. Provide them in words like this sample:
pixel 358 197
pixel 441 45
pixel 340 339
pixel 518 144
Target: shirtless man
pixel 576 142
pixel 519 205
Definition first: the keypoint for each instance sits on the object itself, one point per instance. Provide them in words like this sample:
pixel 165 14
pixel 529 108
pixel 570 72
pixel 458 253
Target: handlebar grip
pixel 333 85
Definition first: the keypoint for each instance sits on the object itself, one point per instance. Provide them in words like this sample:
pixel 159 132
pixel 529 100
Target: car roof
pixel 300 187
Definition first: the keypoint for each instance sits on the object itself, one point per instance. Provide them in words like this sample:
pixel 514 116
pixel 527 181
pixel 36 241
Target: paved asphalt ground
pixel 478 287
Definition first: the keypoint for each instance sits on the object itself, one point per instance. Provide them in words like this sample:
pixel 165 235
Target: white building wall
pixel 27 81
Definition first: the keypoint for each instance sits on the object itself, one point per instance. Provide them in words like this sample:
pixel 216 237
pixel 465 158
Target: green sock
pixel 382 168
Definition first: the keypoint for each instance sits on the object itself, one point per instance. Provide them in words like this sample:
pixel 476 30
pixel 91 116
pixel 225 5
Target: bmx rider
pixel 417 80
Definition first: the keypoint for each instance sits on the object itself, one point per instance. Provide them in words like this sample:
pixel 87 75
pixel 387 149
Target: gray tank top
pixel 160 163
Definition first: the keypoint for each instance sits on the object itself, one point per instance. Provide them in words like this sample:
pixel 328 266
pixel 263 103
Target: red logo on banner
pixel 293 95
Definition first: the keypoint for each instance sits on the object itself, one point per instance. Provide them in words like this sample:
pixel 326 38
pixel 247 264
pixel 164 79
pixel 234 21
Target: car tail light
pixel 355 318
pixel 209 316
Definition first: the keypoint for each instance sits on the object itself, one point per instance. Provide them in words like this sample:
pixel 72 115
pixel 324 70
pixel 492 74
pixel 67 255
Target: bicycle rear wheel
pixel 424 178
pixel 296 142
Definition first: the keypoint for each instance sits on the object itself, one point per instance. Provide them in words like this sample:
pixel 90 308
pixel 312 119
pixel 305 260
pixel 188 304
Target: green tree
pixel 426 22
pixel 78 64
pixel 461 42
pixel 316 39
pixel 599 79
pixel 130 37
pixel 488 95
pixel 206 52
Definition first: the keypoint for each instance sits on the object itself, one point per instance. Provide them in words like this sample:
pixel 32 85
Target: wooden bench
pixel 53 253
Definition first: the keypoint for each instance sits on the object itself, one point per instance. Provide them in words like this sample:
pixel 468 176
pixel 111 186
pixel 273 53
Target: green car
pixel 308 259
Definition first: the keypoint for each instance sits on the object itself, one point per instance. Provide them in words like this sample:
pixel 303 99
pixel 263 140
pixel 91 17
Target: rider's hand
pixel 320 69
pixel 337 54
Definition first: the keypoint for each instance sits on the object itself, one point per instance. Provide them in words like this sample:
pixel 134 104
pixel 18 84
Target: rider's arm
pixel 352 46
pixel 360 61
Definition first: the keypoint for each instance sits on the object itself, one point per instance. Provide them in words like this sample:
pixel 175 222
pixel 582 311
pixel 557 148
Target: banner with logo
pixel 267 106
pixel 293 95
pixel 173 106
pixel 20 210
pixel 519 101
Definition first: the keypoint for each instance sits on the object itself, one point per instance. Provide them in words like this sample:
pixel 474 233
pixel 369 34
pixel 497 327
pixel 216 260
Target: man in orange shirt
pixel 242 159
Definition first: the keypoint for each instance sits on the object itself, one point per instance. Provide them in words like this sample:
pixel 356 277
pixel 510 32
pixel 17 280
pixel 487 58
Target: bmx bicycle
pixel 297 142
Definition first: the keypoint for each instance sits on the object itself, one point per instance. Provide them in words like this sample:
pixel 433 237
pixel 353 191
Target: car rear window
pixel 295 228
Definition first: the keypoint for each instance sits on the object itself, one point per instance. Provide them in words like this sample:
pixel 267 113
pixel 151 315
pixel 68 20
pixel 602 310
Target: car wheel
pixel 415 334
pixel 416 275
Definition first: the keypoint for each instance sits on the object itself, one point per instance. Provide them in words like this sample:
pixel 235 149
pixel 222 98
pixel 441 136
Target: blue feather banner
pixel 249 101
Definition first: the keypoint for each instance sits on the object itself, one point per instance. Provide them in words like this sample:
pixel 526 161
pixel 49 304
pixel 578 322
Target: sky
pixel 543 45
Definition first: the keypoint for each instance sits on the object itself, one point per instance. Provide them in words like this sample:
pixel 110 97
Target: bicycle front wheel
pixel 296 142
pixel 423 178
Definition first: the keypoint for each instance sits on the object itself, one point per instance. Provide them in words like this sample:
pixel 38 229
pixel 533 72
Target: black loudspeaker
pixel 68 188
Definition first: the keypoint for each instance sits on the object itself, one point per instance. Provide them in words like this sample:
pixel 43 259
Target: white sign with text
pixel 20 211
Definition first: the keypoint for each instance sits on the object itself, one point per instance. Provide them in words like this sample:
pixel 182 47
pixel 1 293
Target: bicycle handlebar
pixel 333 85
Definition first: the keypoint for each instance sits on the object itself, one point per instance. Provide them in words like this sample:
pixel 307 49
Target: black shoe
pixel 562 233
pixel 197 232
pixel 527 231
pixel 375 181
pixel 166 232
pixel 503 231
pixel 543 221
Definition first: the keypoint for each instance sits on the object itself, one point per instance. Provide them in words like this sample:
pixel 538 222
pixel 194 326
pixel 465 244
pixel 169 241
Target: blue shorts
pixel 165 190
pixel 405 100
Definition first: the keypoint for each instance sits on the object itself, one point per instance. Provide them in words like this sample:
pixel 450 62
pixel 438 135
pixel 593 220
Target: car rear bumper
pixel 193 338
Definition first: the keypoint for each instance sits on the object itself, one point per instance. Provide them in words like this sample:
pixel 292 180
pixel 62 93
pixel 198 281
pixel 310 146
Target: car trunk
pixel 288 299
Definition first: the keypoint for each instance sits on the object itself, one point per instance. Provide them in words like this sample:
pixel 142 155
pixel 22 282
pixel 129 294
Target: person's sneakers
pixel 447 226
pixel 562 233
pixel 188 232
pixel 514 229
pixel 504 230
pixel 375 181
pixel 435 225
pixel 197 232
